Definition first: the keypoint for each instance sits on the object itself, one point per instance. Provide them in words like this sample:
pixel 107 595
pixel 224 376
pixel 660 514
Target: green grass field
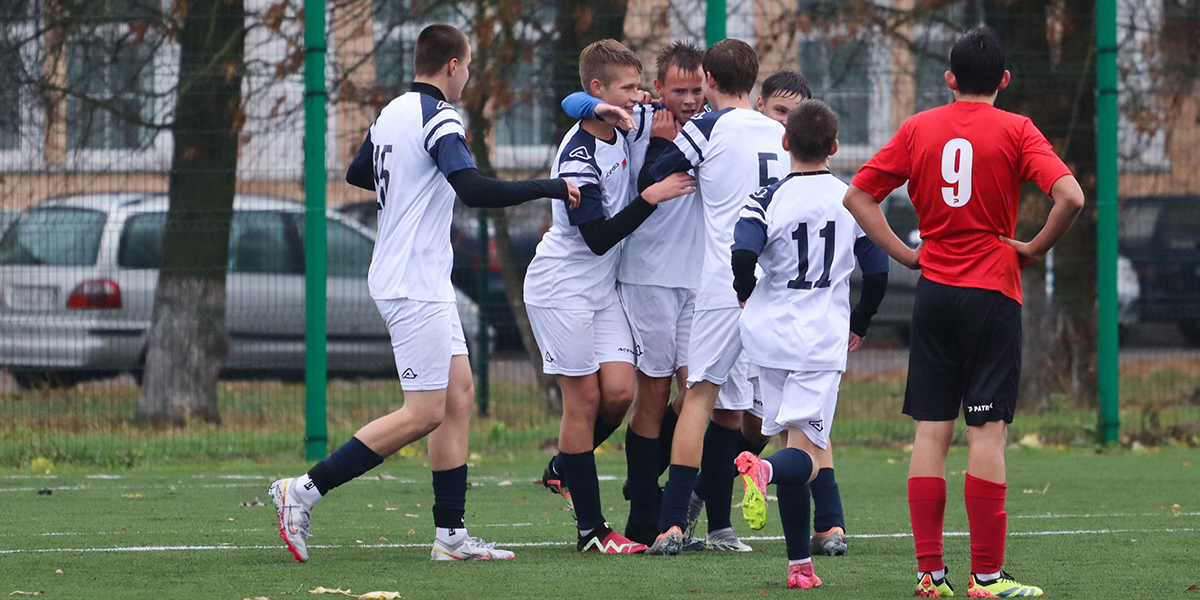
pixel 1084 525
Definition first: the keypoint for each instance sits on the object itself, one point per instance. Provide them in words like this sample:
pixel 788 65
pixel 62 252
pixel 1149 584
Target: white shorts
pixel 575 342
pixel 715 346
pixel 737 393
pixel 661 321
pixel 424 337
pixel 756 408
pixel 803 400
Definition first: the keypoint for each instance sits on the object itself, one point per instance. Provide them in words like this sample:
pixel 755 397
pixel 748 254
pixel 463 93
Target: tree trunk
pixel 186 343
pixel 1054 76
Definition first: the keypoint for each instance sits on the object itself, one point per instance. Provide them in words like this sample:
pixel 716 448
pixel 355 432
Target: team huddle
pixel 700 242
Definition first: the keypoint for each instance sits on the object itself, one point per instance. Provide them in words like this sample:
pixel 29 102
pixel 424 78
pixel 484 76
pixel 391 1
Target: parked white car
pixel 78 274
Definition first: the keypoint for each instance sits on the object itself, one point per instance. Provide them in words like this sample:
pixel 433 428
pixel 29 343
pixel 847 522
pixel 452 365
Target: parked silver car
pixel 78 274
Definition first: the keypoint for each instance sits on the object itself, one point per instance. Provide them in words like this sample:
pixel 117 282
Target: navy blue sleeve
pixel 451 154
pixel 361 172
pixel 871 258
pixel 671 160
pixel 591 206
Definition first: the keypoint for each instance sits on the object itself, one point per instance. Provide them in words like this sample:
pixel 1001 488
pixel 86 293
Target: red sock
pixel 927 507
pixel 988 523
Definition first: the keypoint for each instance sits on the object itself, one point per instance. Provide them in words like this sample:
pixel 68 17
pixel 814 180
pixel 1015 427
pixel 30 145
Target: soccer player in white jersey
pixel 735 151
pixel 797 320
pixel 415 158
pixel 657 276
pixel 571 285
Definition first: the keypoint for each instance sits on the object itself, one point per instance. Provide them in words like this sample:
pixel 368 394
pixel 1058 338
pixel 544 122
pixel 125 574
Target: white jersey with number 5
pixel 735 152
pixel 413 156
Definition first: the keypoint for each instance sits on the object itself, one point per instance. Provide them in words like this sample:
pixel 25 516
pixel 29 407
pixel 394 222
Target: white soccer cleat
pixel 293 517
pixel 469 548
pixel 725 540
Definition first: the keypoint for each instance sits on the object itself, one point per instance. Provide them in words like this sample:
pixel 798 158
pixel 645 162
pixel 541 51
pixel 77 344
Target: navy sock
pixel 676 497
pixel 717 472
pixel 790 465
pixel 794 515
pixel 641 458
pixel 449 497
pixel 751 447
pixel 603 430
pixel 351 460
pixel 666 435
pixel 580 472
pixel 827 502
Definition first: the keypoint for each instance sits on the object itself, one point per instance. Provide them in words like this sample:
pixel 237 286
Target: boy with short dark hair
pixel 797 320
pixel 964 163
pixel 781 92
pixel 571 286
pixel 734 150
pixel 415 159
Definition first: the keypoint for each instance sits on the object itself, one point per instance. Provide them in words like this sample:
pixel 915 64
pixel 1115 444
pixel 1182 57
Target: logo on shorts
pixel 549 358
pixel 979 408
pixel 633 352
pixel 637 349
pixel 758 402
pixel 408 374
pixel 819 424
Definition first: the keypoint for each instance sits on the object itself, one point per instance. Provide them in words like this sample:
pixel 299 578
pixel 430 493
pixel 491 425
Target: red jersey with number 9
pixel 964 163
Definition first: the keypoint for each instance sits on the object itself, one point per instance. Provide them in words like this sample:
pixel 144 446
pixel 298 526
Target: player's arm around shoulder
pixel 749 241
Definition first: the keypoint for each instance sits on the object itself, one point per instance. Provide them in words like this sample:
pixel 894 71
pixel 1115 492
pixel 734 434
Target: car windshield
pixel 53 236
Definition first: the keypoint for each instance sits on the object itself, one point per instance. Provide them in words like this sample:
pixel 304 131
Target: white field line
pixel 190 548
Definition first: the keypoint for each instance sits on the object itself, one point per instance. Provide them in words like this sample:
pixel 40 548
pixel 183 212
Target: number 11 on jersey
pixel 827 233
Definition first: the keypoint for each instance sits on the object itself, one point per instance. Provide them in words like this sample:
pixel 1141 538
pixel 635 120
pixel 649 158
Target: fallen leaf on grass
pixel 257 598
pixel 386 477
pixel 324 590
pixel 380 596
pixel 254 502
pixel 370 506
pixel 383 539
pixel 1041 491
pixel 1194 588
pixel 22 593
pixel 391 508
pixel 412 515
pixel 504 483
pixel 133 495
pixel 412 531
pixel 39 464
pixel 1031 440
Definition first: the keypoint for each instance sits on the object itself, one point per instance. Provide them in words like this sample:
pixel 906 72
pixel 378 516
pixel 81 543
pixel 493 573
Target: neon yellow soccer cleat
pixel 928 587
pixel 1003 587
pixel 754 503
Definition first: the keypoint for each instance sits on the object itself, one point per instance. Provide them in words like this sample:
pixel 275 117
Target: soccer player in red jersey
pixel 964 163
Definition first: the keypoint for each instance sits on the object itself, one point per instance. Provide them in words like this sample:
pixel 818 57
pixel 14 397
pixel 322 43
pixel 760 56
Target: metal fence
pixel 108 176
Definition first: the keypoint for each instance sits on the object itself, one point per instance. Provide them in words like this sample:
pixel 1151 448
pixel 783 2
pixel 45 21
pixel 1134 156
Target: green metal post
pixel 315 433
pixel 482 340
pixel 1106 218
pixel 714 25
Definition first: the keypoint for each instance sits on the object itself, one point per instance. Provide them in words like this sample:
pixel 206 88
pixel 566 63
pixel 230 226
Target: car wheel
pixel 1190 328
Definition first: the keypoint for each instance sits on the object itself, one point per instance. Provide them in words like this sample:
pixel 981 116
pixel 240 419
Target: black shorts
pixel 966 352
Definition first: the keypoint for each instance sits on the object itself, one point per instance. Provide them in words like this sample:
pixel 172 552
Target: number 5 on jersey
pixel 383 178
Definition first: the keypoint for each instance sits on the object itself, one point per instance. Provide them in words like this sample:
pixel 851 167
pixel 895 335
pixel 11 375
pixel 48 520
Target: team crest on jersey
pixel 442 104
pixel 580 153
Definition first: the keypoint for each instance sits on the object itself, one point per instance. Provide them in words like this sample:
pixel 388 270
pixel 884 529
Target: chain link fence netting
pixel 151 188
